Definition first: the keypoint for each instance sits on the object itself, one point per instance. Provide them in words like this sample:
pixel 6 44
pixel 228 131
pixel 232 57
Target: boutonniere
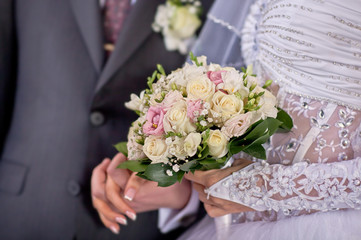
pixel 178 22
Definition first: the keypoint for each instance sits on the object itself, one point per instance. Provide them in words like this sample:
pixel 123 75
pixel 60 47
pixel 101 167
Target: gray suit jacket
pixel 68 112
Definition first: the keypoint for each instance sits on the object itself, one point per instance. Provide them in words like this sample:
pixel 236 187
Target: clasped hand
pixel 117 193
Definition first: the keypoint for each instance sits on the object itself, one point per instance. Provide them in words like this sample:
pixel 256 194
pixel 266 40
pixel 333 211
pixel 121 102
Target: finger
pixel 132 187
pixel 98 179
pixel 112 226
pixel 113 194
pixel 106 211
pixel 120 176
pixel 214 211
pixel 203 197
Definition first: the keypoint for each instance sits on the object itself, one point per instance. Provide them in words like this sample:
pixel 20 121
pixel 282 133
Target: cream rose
pixel 156 149
pixel 191 143
pixel 184 23
pixel 176 120
pixel 200 88
pixel 226 105
pixel 217 143
pixel 177 149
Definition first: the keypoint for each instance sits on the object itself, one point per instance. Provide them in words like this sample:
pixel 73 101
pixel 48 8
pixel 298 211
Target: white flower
pixel 233 82
pixel 225 105
pixel 184 23
pixel 217 143
pixel 169 173
pixel 134 103
pixel 191 143
pixel 156 149
pixel 268 104
pixel 176 168
pixel 176 119
pixel 135 150
pixel 200 88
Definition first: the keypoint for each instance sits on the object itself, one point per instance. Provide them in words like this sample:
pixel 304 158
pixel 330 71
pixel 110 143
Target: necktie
pixel 115 12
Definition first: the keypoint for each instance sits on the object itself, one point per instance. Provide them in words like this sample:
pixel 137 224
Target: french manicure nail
pixel 121 220
pixel 114 230
pixel 131 215
pixel 129 195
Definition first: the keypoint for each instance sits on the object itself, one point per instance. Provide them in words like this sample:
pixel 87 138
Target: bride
pixel 310 186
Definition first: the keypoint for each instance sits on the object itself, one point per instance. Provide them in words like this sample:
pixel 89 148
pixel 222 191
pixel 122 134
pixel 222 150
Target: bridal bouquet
pixel 197 117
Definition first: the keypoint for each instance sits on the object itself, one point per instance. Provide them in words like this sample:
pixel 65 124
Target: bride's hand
pixel 214 206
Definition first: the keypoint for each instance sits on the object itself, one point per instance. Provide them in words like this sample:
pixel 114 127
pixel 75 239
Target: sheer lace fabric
pixel 313 168
pixel 312 49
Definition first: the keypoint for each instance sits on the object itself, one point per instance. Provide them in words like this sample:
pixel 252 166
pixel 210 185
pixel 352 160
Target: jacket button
pixel 97 119
pixel 73 188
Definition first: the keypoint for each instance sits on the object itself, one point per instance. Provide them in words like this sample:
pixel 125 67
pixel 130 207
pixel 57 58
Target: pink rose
pixel 215 76
pixel 237 125
pixel 170 99
pixel 154 121
pixel 194 107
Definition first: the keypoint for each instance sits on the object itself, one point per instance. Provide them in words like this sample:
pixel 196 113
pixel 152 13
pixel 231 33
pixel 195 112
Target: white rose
pixel 200 88
pixel 191 143
pixel 156 149
pixel 217 143
pixel 177 148
pixel 226 105
pixel 176 120
pixel 184 23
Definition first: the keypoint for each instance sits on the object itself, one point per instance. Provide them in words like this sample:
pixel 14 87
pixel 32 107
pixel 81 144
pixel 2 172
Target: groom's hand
pixel 100 185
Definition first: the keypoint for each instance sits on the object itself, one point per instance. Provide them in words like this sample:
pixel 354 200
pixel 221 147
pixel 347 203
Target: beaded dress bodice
pixel 312 50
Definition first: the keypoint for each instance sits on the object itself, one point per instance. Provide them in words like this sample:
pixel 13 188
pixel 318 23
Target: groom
pixel 68 111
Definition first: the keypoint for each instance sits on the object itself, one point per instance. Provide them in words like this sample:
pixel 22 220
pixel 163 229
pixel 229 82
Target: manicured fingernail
pixel 129 195
pixel 121 220
pixel 114 230
pixel 131 215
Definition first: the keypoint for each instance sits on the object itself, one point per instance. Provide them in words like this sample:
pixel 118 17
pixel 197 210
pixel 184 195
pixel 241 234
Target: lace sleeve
pixel 302 186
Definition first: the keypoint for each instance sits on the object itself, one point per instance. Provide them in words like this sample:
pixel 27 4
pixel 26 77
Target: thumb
pixel 132 187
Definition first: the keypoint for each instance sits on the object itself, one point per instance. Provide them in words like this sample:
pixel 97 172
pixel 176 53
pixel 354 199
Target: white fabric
pixel 312 48
pixel 170 219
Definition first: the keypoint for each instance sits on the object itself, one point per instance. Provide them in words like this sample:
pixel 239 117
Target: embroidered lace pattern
pixel 316 167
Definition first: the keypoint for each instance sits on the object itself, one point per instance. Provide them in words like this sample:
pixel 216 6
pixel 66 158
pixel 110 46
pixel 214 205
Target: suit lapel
pixel 136 29
pixel 88 16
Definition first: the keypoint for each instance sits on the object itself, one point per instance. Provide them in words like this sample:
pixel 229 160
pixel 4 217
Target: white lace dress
pixel 310 185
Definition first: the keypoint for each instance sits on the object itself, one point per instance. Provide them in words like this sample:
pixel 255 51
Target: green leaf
pixel 187 166
pixel 256 151
pixel 122 148
pixel 180 176
pixel 268 125
pixel 157 173
pixel 134 165
pixel 286 120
